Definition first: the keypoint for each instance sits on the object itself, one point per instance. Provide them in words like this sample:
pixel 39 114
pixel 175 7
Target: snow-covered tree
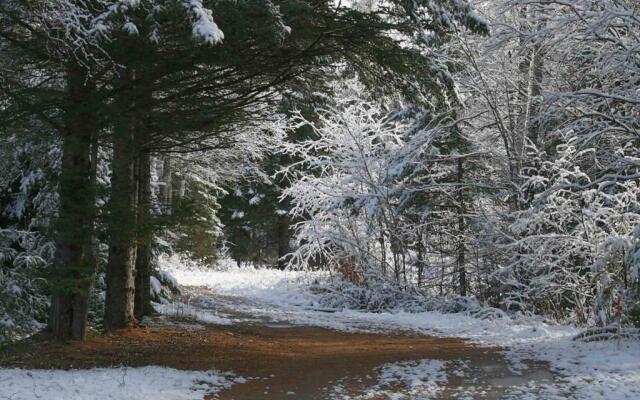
pixel 553 93
pixel 374 186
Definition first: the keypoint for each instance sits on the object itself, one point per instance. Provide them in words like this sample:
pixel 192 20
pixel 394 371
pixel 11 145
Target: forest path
pixel 282 360
pixel 290 361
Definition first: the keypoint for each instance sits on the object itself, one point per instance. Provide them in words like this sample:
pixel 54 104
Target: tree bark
pixel 420 261
pixel 462 272
pixel 284 237
pixel 166 189
pixel 81 303
pixel 529 88
pixel 119 300
pixel 142 303
pixel 73 266
pixel 178 187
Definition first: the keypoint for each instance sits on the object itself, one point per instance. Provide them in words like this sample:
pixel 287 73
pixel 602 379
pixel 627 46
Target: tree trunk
pixel 178 187
pixel 166 189
pixel 142 300
pixel 420 261
pixel 383 248
pixel 535 89
pixel 462 272
pixel 81 303
pixel 142 304
pixel 529 88
pixel 122 219
pixel 283 240
pixel 73 268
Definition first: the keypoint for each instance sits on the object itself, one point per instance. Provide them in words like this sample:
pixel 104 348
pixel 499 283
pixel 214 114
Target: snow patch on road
pixel 422 379
pixel 419 379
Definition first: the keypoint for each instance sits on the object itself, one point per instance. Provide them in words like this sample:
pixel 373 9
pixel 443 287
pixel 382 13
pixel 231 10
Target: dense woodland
pixel 453 151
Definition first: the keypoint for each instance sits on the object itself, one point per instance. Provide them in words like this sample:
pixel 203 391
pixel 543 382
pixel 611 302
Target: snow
pixel 187 311
pixel 255 200
pixel 588 370
pixel 423 378
pixel 130 28
pixel 169 279
pixel 237 215
pixel 268 285
pixel 156 286
pixel 203 26
pixel 147 383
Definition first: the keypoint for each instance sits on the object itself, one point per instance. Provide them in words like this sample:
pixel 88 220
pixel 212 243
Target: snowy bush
pixel 384 296
pixel 28 205
pixel 553 98
pixel 24 258
pixel 163 287
pixel 611 332
pixel 372 185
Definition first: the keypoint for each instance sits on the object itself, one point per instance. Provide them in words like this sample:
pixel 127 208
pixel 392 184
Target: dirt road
pixel 282 361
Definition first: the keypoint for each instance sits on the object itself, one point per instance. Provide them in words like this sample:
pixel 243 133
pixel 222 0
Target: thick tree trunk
pixel 142 302
pixel 73 266
pixel 81 303
pixel 122 219
pixel 142 298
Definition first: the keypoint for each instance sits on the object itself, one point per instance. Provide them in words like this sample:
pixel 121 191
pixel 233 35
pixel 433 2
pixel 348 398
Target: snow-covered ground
pixel 147 383
pixel 585 370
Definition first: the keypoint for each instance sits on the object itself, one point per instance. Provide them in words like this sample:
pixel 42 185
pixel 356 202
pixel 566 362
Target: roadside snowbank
pixel 147 383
